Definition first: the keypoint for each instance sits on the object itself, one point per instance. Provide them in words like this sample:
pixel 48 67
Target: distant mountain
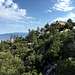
pixel 7 36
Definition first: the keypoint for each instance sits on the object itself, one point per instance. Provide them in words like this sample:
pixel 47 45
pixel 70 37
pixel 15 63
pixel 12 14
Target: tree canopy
pixel 46 51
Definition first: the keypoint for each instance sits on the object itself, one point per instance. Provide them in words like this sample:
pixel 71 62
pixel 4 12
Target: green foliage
pixel 49 48
pixel 10 65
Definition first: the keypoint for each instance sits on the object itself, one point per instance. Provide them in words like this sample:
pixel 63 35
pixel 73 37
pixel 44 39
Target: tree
pixel 47 25
pixel 10 65
pixel 69 23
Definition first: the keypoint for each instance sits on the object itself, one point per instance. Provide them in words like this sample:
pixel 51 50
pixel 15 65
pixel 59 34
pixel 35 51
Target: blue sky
pixel 21 15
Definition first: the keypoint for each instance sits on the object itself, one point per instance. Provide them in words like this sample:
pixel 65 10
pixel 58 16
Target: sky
pixel 21 15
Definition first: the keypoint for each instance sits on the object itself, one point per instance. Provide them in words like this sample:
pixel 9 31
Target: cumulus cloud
pixel 63 5
pixel 11 10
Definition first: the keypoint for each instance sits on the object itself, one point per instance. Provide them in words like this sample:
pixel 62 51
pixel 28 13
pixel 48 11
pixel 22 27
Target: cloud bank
pixel 66 7
pixel 11 10
pixel 63 5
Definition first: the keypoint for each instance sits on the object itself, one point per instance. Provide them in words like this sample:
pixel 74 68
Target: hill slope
pixel 7 36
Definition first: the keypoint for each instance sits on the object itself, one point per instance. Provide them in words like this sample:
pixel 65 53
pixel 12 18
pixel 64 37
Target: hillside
pixel 46 51
pixel 7 36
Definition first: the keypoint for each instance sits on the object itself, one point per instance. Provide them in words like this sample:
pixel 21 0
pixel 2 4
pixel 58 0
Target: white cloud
pixel 70 15
pixel 49 11
pixel 11 10
pixel 63 5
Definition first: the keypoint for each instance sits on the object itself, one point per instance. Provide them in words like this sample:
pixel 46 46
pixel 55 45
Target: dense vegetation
pixel 46 51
